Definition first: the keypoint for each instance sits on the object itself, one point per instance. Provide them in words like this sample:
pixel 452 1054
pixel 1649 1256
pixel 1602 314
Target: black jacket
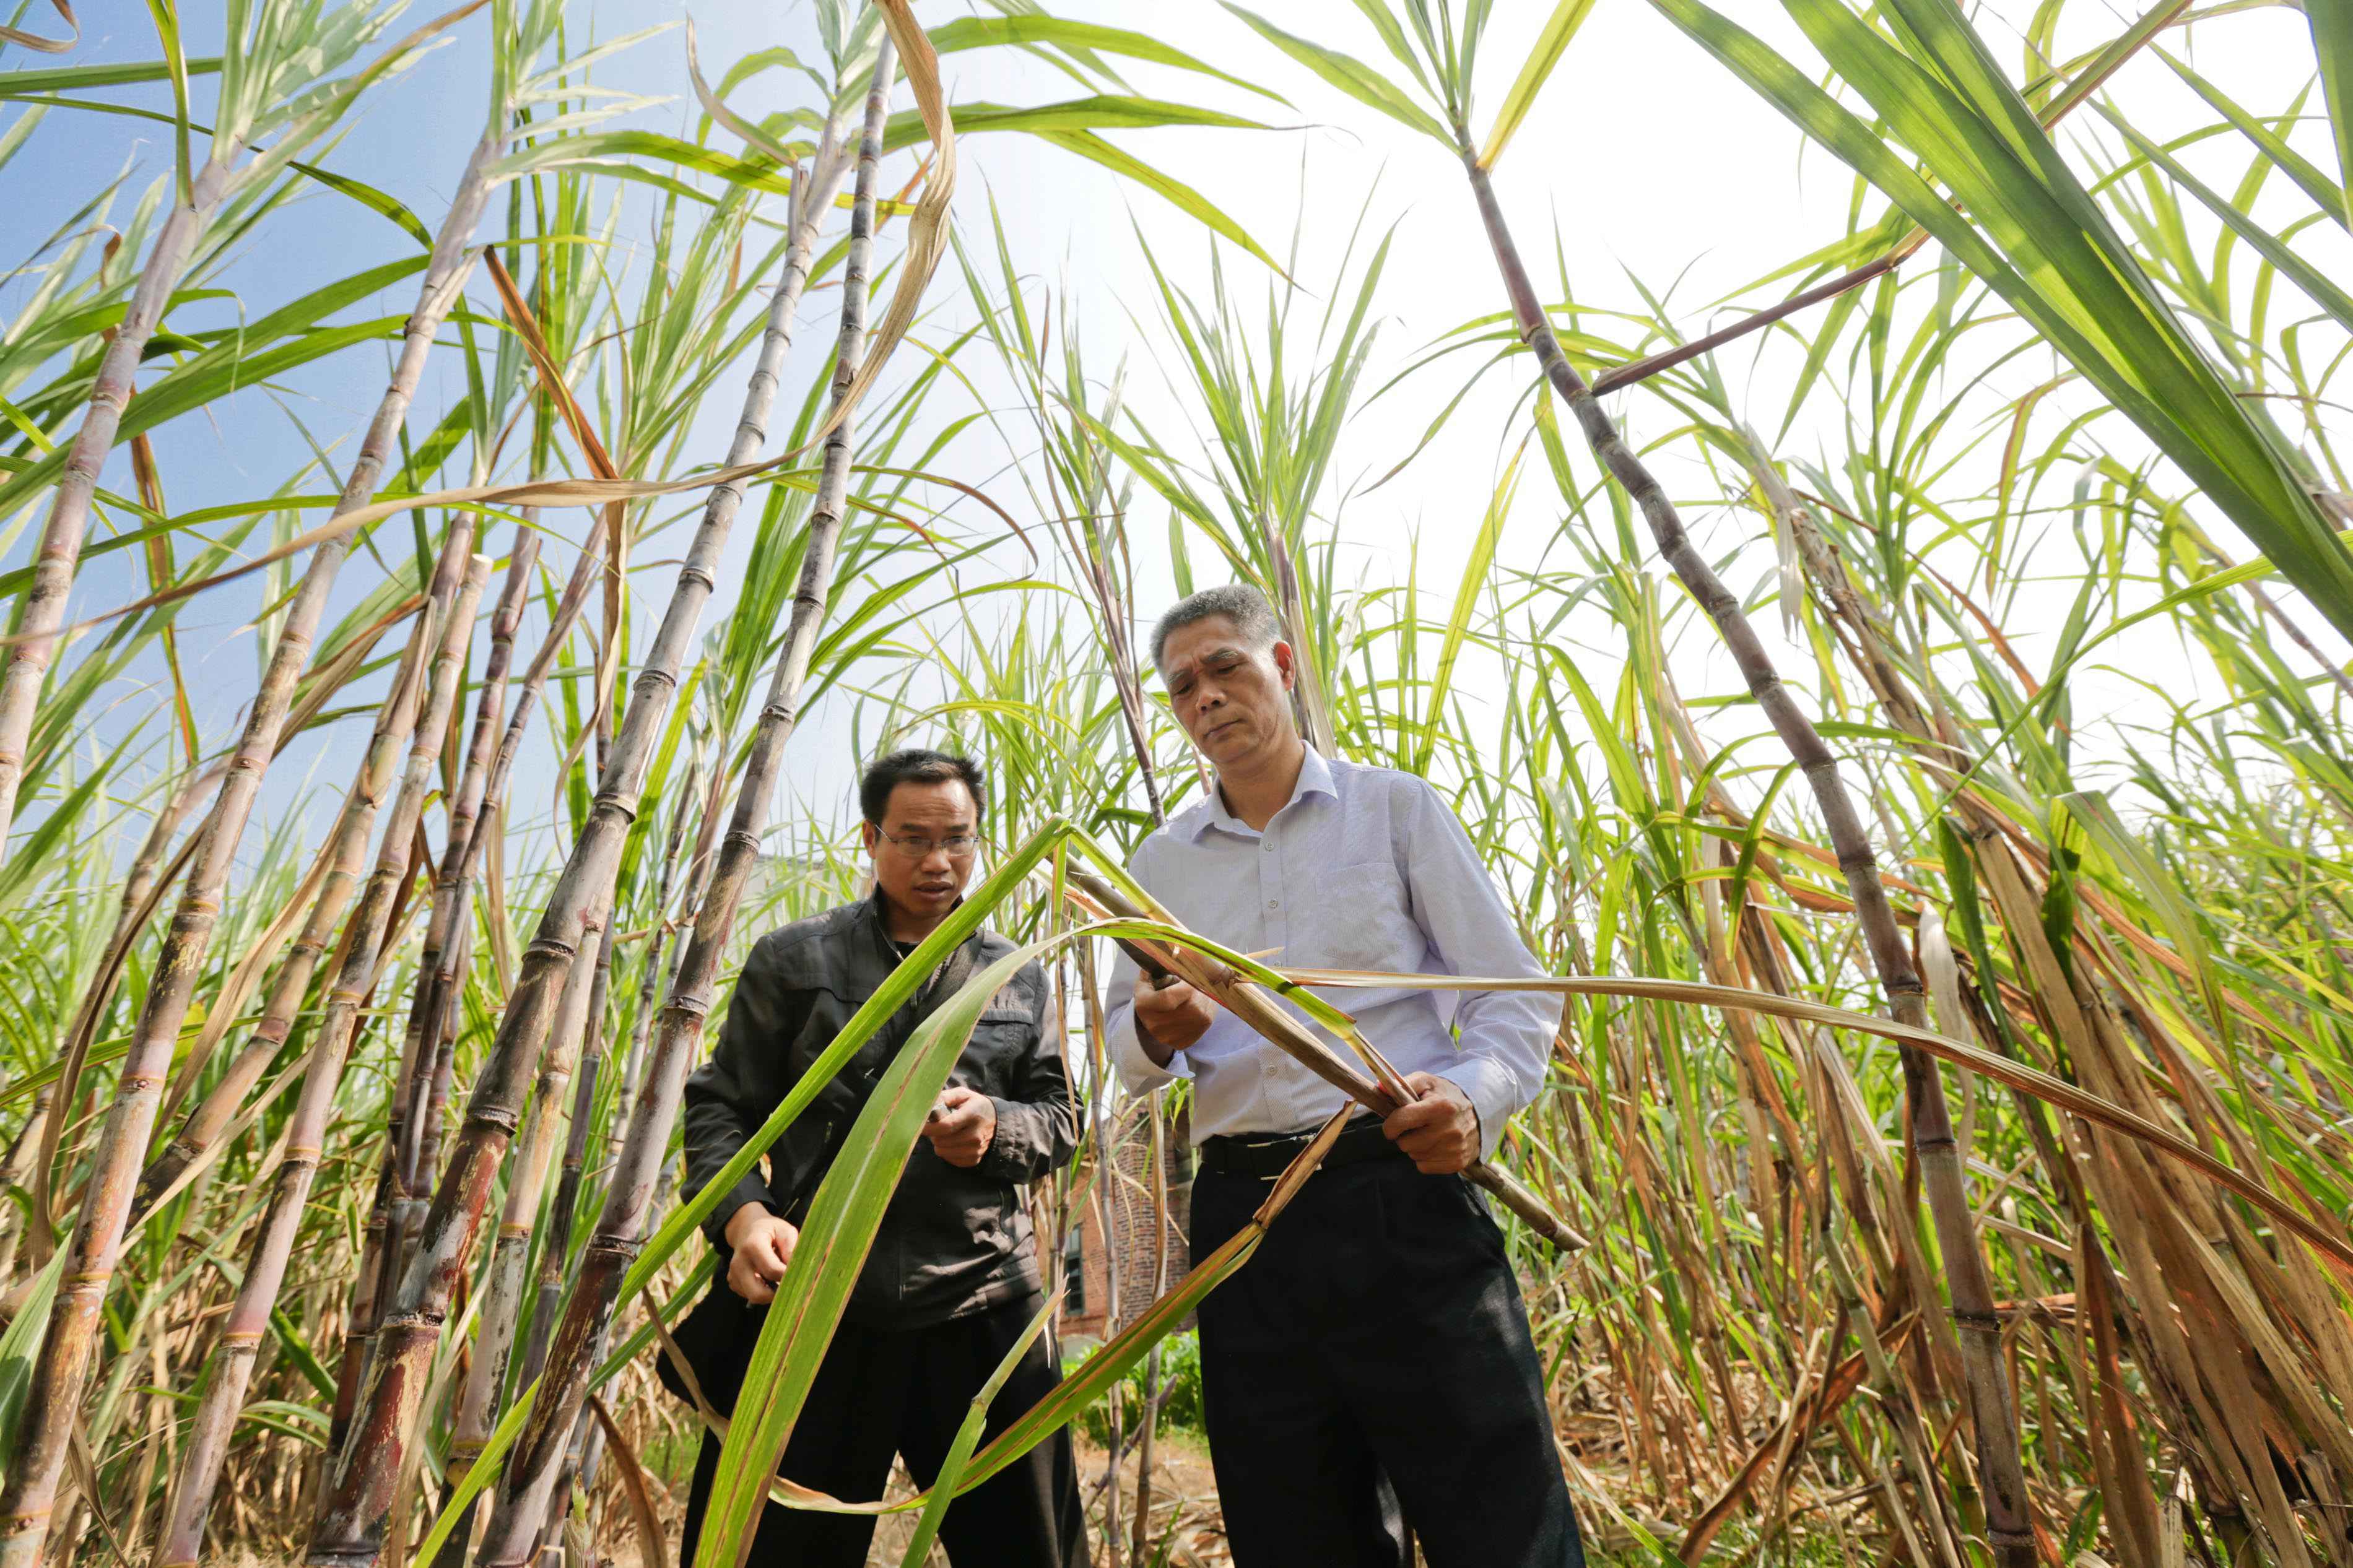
pixel 952 1241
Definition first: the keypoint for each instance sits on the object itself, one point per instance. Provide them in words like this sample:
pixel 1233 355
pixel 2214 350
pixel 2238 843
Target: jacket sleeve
pixel 1037 1124
pixel 728 1097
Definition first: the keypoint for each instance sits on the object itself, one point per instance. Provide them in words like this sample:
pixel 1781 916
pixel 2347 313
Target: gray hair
pixel 1239 603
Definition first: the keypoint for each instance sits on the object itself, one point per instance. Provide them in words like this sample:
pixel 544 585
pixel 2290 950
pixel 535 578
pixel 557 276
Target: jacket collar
pixel 875 915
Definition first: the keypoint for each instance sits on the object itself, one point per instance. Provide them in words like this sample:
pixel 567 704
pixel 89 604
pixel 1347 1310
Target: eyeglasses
pixel 960 846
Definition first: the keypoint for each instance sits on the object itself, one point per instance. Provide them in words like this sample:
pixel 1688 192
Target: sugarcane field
pixel 1050 784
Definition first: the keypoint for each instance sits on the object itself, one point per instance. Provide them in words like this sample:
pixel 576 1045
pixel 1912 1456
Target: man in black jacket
pixel 953 1279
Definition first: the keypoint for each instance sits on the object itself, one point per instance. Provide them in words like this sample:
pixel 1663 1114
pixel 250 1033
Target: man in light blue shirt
pixel 1371 1368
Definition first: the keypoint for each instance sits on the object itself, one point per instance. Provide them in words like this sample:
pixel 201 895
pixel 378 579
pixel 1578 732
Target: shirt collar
pixel 1314 778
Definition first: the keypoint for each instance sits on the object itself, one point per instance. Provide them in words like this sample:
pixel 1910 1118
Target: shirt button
pixel 1274 903
pixel 1269 848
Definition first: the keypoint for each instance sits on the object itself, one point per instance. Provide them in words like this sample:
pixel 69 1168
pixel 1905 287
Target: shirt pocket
pixel 992 1058
pixel 1359 922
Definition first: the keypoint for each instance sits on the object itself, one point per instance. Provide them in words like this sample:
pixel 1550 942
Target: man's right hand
pixel 1171 1019
pixel 763 1244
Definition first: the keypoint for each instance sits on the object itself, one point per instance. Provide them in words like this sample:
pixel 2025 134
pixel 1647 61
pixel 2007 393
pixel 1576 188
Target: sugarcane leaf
pixel 1114 1361
pixel 2291 163
pixel 166 16
pixel 2272 248
pixel 1036 29
pixel 1350 75
pixel 1551 42
pixel 1183 197
pixel 614 150
pixel 239 360
pixel 297 1350
pixel 74 78
pixel 1466 600
pixel 360 191
pixel 1103 111
pixel 2067 275
pixel 19 1345
pixel 2331 22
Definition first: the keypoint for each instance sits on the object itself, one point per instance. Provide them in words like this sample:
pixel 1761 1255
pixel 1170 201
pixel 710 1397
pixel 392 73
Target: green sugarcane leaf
pixel 1033 29
pixel 1466 600
pixel 1183 197
pixel 1105 111
pixel 843 1218
pixel 2332 45
pixel 2291 163
pixel 1114 1360
pixel 19 1347
pixel 2270 247
pixel 166 18
pixel 2097 813
pixel 967 1438
pixel 1351 76
pixel 1551 42
pixel 611 149
pixel 360 191
pixel 235 362
pixel 74 78
pixel 2073 282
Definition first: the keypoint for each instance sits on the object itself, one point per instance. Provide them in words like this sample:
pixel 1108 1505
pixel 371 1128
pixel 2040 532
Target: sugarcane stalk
pixel 348 851
pixel 474 1426
pixel 501 1300
pixel 55 1396
pixel 437 969
pixel 44 613
pixel 354 1509
pixel 1993 1418
pixel 557 1249
pixel 650 978
pixel 230 1366
pixel 526 1488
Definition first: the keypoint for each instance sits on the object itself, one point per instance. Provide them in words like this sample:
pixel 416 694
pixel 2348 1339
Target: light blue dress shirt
pixel 1363 868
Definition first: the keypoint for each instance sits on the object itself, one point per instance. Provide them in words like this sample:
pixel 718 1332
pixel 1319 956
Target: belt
pixel 1263 1157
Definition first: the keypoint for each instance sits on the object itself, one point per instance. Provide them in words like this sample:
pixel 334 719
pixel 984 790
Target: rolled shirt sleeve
pixel 1504 1037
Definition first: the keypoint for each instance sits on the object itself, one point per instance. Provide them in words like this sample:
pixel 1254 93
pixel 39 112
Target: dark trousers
pixel 1370 1368
pixel 905 1392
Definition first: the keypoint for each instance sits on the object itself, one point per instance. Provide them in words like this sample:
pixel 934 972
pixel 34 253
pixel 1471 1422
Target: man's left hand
pixel 962 1126
pixel 1439 1130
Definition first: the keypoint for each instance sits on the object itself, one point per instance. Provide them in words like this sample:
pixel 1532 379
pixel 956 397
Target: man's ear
pixel 870 835
pixel 1287 664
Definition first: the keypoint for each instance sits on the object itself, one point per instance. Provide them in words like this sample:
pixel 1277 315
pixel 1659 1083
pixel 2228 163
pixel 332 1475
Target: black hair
pixel 917 764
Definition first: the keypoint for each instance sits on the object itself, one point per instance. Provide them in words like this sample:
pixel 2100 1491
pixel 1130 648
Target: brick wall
pixel 1125 1194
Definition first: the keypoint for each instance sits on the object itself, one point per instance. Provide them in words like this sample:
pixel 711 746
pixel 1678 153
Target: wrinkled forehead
pixel 1212 641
